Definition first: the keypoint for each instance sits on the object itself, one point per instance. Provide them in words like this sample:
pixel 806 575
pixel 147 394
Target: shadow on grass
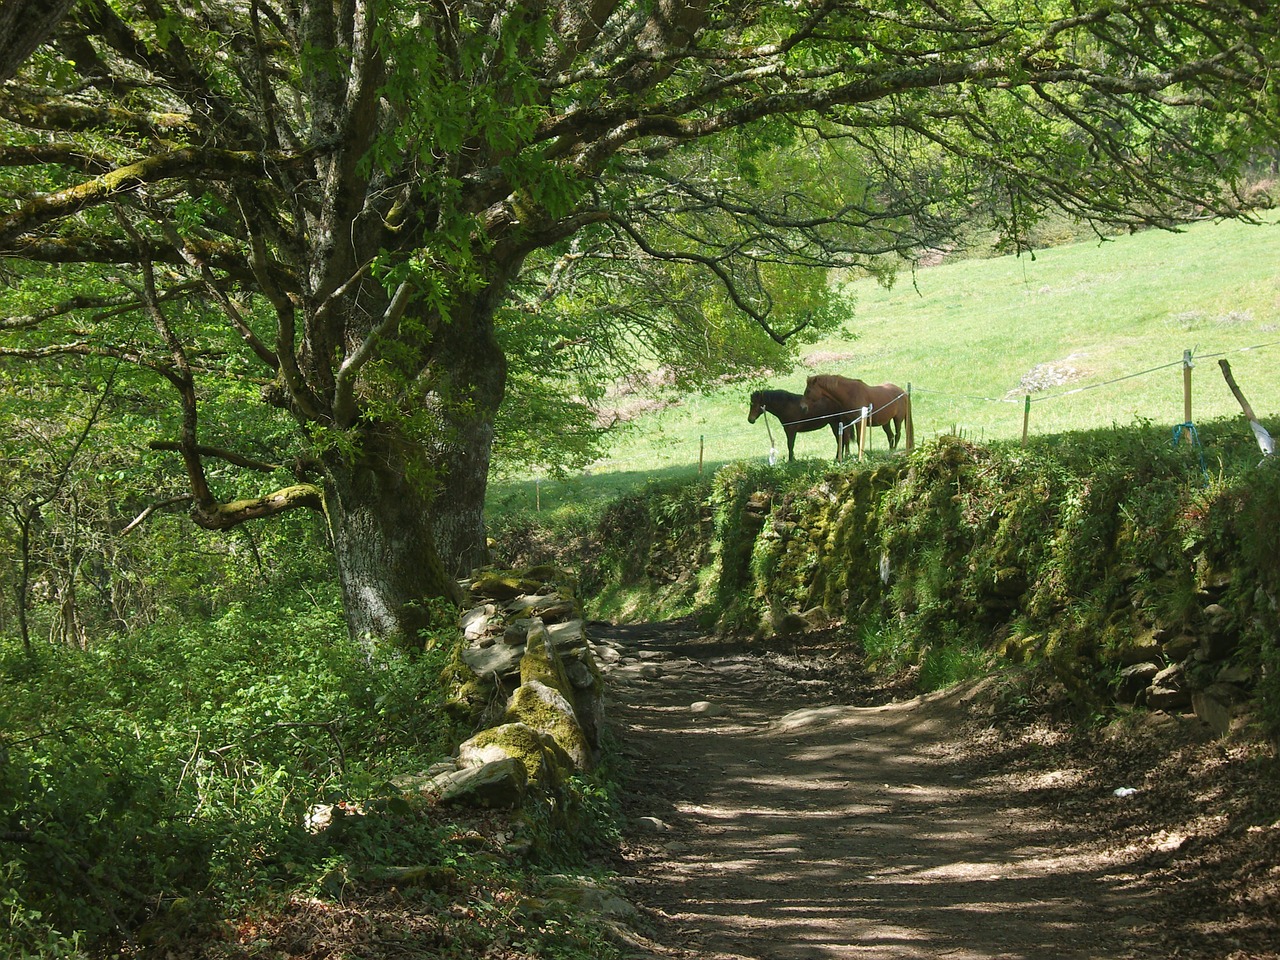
pixel 595 488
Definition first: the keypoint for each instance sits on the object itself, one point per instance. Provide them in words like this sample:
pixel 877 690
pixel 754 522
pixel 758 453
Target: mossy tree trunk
pixel 380 524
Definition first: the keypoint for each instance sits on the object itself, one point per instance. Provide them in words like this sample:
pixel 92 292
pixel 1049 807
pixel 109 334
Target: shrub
pixel 154 779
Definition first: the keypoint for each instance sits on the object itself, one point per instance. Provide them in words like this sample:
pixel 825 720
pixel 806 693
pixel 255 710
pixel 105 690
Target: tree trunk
pixel 383 542
pixel 405 505
pixel 457 512
pixel 466 406
pixel 24 25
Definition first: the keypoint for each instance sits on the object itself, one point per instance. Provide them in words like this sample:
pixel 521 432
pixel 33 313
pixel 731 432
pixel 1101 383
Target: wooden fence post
pixel 702 446
pixel 911 430
pixel 1186 392
pixel 1026 418
pixel 1260 433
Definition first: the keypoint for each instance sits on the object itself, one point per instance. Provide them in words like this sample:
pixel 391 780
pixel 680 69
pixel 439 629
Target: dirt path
pixel 794 815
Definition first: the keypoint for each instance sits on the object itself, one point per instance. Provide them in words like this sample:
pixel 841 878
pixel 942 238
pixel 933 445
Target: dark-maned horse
pixel 888 402
pixel 795 417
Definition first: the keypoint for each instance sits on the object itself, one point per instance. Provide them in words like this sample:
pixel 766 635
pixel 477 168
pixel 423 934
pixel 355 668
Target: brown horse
pixel 795 417
pixel 888 402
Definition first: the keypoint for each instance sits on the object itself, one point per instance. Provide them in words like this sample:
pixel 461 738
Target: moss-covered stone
pixel 500 783
pixel 549 712
pixel 564 581
pixel 547 607
pixel 502 587
pixel 471 696
pixel 586 683
pixel 541 662
pixel 545 763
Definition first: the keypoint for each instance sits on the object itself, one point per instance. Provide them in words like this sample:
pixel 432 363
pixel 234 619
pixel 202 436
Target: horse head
pixel 812 393
pixel 818 390
pixel 757 406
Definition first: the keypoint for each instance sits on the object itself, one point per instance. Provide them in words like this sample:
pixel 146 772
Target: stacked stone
pixel 528 681
pixel 1195 669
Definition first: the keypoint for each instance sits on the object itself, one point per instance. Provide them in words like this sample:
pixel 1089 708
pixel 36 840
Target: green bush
pixel 155 779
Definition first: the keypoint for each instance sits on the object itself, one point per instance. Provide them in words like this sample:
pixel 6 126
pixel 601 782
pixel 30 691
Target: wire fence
pixel 689 450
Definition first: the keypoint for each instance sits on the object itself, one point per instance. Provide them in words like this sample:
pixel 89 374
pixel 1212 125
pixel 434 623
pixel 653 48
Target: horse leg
pixel 791 445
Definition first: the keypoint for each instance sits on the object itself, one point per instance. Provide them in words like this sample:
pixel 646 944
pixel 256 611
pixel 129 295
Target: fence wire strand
pixel 1019 399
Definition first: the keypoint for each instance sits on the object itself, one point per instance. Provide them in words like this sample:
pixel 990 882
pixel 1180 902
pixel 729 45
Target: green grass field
pixel 1110 321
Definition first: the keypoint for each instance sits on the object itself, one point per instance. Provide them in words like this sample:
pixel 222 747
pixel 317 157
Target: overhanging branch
pixel 718 269
pixel 225 516
pixel 220 453
pixel 201 163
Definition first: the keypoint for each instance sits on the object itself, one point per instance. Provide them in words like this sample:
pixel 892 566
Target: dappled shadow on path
pixel 783 827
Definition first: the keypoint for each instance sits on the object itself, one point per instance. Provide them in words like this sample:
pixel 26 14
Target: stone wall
pixel 1137 585
pixel 1105 563
pixel 527 684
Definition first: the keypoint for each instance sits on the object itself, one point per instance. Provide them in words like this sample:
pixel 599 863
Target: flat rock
pixel 497 784
pixel 498 658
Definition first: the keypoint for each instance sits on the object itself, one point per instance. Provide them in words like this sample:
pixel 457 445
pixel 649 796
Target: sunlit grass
pixel 1112 320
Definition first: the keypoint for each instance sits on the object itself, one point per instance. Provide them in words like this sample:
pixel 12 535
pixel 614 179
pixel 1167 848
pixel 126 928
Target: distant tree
pixel 397 208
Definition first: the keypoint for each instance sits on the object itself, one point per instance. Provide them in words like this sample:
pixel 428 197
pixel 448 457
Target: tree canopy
pixel 374 216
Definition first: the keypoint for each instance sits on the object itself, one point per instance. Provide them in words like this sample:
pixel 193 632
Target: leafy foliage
pixel 174 767
pixel 381 222
pixel 79 478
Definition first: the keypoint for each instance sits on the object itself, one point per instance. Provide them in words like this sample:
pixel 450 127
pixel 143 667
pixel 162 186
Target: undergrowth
pixel 160 784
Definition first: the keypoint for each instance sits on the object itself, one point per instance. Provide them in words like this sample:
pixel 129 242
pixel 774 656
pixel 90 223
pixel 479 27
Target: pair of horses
pixel 832 400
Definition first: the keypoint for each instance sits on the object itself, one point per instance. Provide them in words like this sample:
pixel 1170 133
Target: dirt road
pixel 782 807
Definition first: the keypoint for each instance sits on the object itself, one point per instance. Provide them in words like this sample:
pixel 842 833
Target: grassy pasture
pixel 1100 327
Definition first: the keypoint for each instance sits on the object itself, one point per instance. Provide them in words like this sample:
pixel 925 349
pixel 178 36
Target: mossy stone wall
pixel 1082 555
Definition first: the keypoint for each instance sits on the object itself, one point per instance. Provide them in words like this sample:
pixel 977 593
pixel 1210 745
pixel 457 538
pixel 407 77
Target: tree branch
pixel 344 409
pixel 24 25
pixel 68 116
pixel 150 509
pixel 220 453
pixel 180 375
pixel 66 155
pixel 225 516
pixel 187 162
pixel 719 271
pixel 214 289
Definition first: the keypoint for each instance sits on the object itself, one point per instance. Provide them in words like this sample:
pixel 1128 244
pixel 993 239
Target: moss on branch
pixel 198 163
pixel 224 516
